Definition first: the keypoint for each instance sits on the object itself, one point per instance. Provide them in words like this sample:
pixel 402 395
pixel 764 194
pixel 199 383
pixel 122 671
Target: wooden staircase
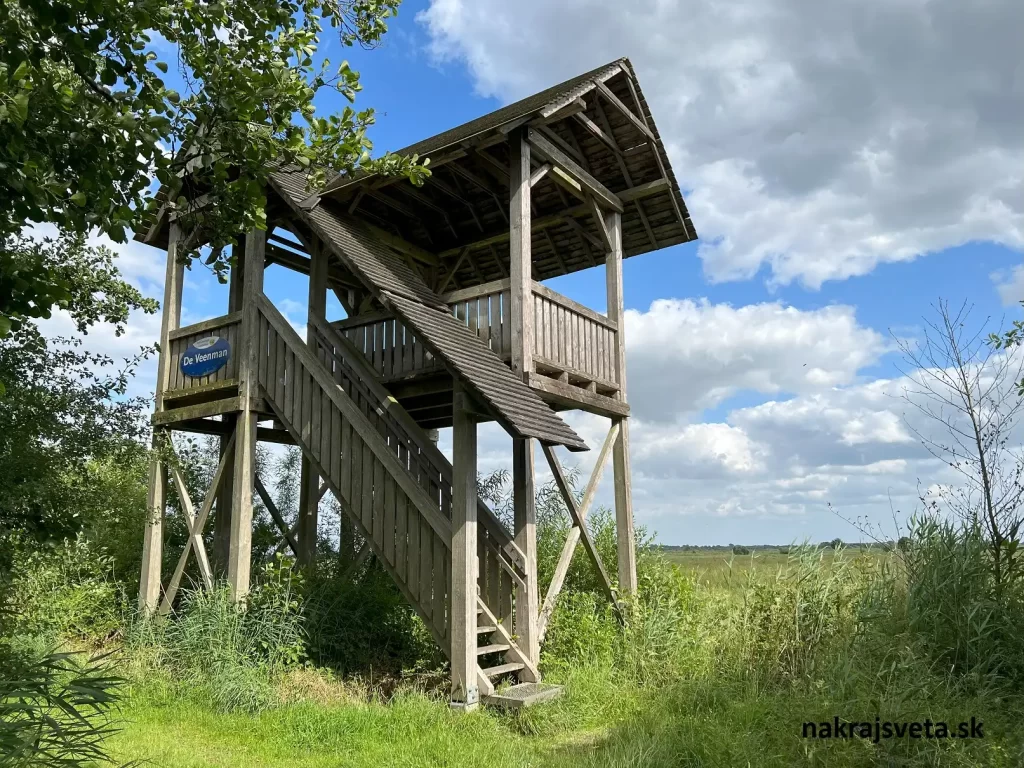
pixel 394 484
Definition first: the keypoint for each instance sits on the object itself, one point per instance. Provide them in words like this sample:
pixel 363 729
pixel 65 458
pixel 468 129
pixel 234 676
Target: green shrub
pixel 363 625
pixel 961 619
pixel 65 591
pixel 228 652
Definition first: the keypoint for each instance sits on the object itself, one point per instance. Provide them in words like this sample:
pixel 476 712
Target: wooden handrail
pixel 206 325
pixel 304 355
pixel 368 376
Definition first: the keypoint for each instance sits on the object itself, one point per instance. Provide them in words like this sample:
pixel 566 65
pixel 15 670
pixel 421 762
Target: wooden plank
pixel 412 575
pixel 426 582
pixel 366 501
pixel 198 411
pixel 581 309
pixel 442 572
pixel 521 310
pixel 559 159
pixel 197 329
pixel 378 504
pixel 525 529
pixel 401 534
pixel 389 519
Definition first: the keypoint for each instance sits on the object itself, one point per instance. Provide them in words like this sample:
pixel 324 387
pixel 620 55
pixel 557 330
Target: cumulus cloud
pixel 685 355
pixel 819 139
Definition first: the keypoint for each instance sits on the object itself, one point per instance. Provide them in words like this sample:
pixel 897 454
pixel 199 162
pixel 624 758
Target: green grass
pixel 720 568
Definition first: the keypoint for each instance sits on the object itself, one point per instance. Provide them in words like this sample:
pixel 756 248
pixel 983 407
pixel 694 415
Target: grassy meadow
pixel 725 656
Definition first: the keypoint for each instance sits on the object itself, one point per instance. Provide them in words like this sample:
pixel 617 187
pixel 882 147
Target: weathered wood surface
pixel 422 459
pixel 375 483
pixel 227 327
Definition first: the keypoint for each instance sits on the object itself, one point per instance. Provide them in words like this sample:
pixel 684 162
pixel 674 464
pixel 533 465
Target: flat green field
pixel 722 568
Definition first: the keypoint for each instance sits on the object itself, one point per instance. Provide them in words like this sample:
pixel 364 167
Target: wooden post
pixel 222 518
pixel 309 482
pixel 524 503
pixel 152 540
pixel 620 454
pixel 240 548
pixel 520 268
pixel 465 692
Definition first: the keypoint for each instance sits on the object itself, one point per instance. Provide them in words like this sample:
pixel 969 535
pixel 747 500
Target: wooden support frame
pixel 520 257
pixel 465 692
pixel 152 541
pixel 559 159
pixel 240 543
pixel 309 482
pixel 275 514
pixel 196 524
pixel 625 538
pixel 578 514
pixel 525 532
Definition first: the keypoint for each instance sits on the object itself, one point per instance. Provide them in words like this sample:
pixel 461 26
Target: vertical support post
pixel 524 502
pixel 222 518
pixel 520 267
pixel 309 482
pixel 240 547
pixel 465 692
pixel 620 455
pixel 152 540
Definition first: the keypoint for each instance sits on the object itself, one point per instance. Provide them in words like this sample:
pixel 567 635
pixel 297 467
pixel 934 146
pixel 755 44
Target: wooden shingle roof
pixel 600 119
pixel 517 407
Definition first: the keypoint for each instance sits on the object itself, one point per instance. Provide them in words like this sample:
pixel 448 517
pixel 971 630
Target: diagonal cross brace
pixel 578 513
pixel 196 523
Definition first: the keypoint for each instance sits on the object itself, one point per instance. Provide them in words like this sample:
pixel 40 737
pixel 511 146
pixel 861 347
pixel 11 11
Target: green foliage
pixel 961 617
pixel 65 591
pixel 213 648
pixel 55 710
pixel 86 118
pixel 364 626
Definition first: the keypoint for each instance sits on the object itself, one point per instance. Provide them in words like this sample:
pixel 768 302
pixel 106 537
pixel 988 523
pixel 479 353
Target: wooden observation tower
pixel 448 325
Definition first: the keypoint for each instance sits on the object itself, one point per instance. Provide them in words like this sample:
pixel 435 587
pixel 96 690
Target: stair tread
pixel 522 695
pixel 503 669
pixel 493 648
pixel 481 628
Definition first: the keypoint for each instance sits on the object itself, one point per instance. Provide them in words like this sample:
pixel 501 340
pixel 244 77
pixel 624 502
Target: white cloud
pixel 820 139
pixel 1010 285
pixel 685 355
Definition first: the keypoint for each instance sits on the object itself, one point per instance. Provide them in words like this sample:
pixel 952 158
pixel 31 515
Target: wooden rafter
pixel 616 102
pixel 560 159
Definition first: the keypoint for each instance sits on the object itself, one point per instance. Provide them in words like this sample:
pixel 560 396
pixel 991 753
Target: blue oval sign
pixel 205 356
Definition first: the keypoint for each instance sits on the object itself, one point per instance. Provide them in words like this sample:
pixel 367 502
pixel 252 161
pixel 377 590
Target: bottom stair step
pixel 523 695
pixel 503 669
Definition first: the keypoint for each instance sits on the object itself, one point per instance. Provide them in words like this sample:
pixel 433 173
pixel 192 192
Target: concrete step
pixel 522 695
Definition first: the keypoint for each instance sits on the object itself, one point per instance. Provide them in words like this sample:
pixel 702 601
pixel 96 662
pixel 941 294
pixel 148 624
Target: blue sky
pixel 845 168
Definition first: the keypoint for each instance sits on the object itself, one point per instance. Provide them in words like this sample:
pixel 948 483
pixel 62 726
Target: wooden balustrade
pixel 226 327
pixel 571 341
